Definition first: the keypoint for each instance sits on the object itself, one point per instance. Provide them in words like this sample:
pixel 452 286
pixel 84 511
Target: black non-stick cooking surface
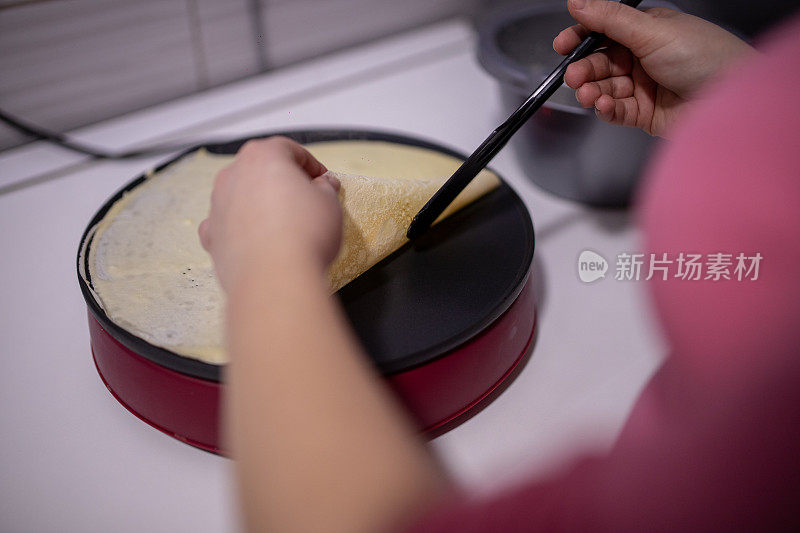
pixel 427 298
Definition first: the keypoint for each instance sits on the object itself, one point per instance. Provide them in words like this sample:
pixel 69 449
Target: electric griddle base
pixel 446 319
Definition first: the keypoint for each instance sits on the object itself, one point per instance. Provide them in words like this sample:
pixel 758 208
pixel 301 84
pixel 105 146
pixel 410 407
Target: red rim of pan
pixel 441 388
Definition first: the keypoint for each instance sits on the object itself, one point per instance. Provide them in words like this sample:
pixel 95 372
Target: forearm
pixel 319 443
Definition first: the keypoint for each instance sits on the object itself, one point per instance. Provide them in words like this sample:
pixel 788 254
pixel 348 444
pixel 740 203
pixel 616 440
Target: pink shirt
pixel 713 442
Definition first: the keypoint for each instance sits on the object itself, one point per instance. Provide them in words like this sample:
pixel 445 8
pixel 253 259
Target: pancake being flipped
pixel 153 278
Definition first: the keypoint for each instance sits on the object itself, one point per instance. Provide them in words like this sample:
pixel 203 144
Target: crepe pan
pixel 448 320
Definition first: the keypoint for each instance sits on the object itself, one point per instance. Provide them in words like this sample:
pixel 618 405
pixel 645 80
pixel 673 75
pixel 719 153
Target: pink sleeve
pixel 714 440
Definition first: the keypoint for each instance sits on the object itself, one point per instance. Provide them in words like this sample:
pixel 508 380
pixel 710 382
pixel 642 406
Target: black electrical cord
pixel 64 142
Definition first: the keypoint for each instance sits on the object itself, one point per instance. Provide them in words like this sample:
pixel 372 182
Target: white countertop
pixel 73 459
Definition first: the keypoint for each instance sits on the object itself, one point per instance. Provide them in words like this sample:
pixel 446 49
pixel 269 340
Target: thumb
pixel 205 236
pixel 634 29
pixel 328 183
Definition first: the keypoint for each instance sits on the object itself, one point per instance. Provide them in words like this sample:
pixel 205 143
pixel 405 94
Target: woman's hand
pixel 275 198
pixel 657 60
pixel 319 443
